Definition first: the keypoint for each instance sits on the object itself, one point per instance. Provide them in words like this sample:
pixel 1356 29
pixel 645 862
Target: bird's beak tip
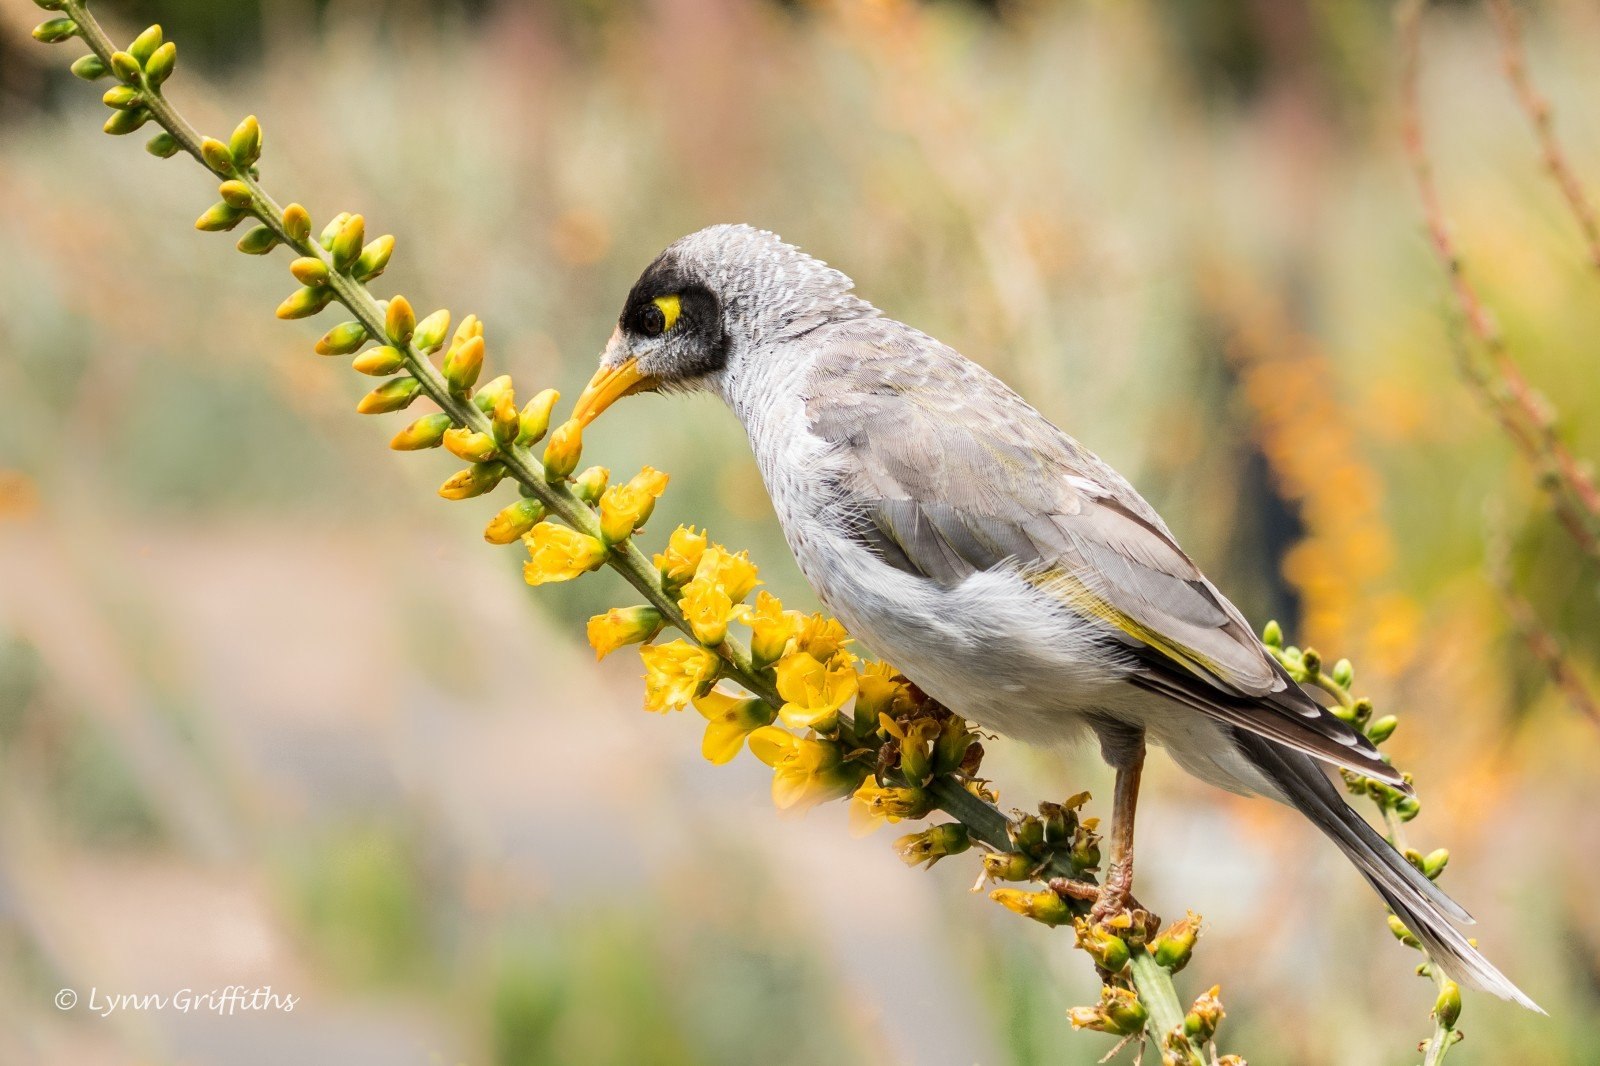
pixel 609 384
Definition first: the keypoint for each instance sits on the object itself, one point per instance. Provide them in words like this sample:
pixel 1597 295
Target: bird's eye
pixel 652 321
pixel 659 315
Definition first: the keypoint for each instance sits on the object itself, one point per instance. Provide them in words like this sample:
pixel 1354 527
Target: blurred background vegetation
pixel 271 713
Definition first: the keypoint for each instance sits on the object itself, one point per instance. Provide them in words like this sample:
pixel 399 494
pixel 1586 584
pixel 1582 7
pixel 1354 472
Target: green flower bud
pixel 1407 808
pixel 1434 862
pixel 309 270
pixel 1200 1024
pixel 950 750
pixel 473 481
pixel 431 331
pixel 50 5
pixel 1108 950
pixel 1173 947
pixel 931 845
pixel 1344 674
pixel 346 244
pixel 1402 934
pixel 535 418
pixel 122 123
pixel 1447 1008
pixel 342 339
pixel 219 217
pixel 426 432
pixel 1272 634
pixel 1008 866
pixel 506 422
pixel 54 31
pixel 509 525
pixel 258 241
pixel 379 362
pixel 125 68
pixel 144 46
pixel 161 65
pixel 393 395
pixel 374 258
pixel 163 145
pixel 1382 729
pixel 123 98
pixel 1085 851
pixel 588 485
pixel 245 144
pixel 331 230
pixel 90 68
pixel 303 303
pixel 296 223
pixel 217 156
pixel 1060 822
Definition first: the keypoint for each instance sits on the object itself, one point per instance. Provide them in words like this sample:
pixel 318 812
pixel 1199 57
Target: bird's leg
pixel 1126 754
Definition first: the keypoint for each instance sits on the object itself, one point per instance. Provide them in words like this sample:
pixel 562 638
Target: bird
pixel 1006 570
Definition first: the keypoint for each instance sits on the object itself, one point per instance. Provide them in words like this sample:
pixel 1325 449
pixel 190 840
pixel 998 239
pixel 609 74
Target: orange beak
pixel 609 385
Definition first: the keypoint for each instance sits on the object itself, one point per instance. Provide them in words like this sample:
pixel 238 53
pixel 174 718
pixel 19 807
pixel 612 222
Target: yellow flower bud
pixel 678 563
pixel 622 625
pixel 475 480
pixel 561 455
pixel 1046 907
pixel 729 720
pixel 219 216
pixel 675 673
pixel 1108 950
pixel 54 31
pixel 216 156
pixel 505 420
pixel 347 243
pixel 535 418
pixel 303 303
pixel 342 339
pixel 245 144
pixel 162 63
pixel 625 508
pixel 426 432
pixel 1175 944
pixel 296 222
pixel 380 361
pixel 309 270
pixel 1200 1023
pixel 1447 1008
pixel 400 322
pixel 1008 866
pixel 431 331
pixel 556 553
pixel 463 363
pixel 393 395
pixel 235 193
pixel 374 258
pixel 122 123
pixel 489 395
pixel 510 524
pixel 126 68
pixel 588 485
pixel 813 691
pixel 706 606
pixel 1119 1013
pixel 122 97
pixel 733 571
pixel 468 444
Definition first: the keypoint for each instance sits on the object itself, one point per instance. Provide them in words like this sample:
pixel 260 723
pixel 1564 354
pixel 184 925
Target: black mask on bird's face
pixel 670 336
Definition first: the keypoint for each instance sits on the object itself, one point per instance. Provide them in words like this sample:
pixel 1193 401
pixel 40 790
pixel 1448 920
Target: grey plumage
pixel 1002 566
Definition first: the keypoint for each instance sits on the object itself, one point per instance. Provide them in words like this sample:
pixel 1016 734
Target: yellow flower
pixel 882 692
pixel 557 553
pixel 706 605
pixel 916 745
pixel 872 805
pixel 684 548
pixel 821 636
pixel 729 720
pixel 771 628
pixel 813 691
pixel 622 625
pixel 733 571
pixel 807 771
pixel 674 673
pixel 1046 907
pixel 624 508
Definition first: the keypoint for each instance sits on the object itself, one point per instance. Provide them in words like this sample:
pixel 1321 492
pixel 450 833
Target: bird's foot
pixel 1114 904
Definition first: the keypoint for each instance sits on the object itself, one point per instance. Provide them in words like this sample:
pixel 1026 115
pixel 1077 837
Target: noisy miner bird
pixel 1000 565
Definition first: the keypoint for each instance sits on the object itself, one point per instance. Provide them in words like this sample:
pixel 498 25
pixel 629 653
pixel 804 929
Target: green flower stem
pixel 984 821
pixel 1160 999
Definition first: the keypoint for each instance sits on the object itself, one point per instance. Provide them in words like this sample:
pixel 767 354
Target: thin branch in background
pixel 1526 415
pixel 1514 58
pixel 1541 641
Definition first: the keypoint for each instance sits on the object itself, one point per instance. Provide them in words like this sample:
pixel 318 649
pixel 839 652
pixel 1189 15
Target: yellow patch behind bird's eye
pixel 670 308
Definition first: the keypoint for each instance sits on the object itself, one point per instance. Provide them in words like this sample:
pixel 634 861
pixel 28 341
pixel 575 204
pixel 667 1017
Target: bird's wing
pixel 947 472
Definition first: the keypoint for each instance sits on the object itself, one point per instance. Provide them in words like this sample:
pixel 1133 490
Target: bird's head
pixel 710 307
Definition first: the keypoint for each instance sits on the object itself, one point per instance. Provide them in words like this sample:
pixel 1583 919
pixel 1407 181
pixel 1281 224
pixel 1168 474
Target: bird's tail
pixel 1422 905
